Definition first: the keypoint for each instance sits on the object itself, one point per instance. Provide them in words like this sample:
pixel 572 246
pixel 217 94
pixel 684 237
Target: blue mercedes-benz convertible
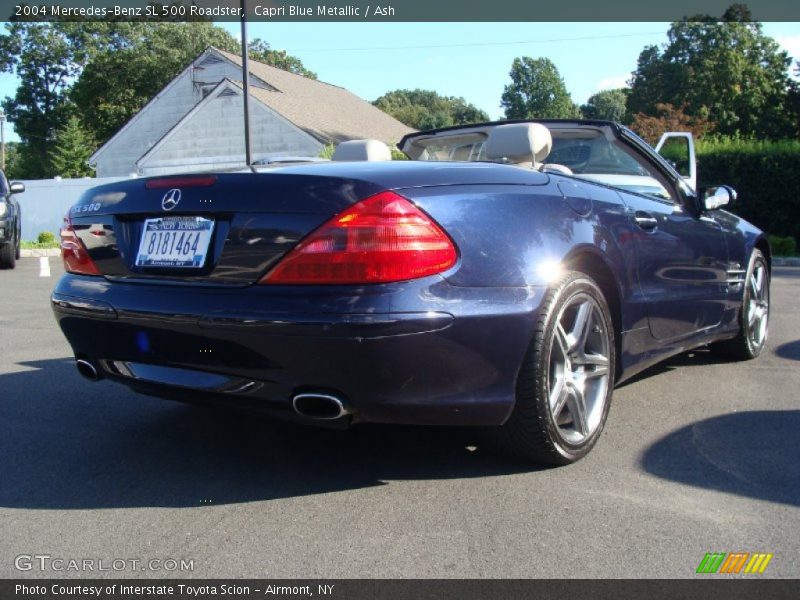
pixel 507 276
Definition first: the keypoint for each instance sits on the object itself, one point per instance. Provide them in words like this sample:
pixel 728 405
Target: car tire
pixel 753 314
pixel 18 246
pixel 8 255
pixel 568 370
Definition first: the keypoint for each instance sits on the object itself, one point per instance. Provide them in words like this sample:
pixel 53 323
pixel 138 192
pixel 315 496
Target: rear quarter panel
pixel 512 235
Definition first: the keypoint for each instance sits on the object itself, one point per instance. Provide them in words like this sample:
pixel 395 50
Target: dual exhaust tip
pixel 87 369
pixel 320 407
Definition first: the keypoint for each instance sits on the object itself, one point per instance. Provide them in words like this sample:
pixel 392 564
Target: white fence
pixel 46 201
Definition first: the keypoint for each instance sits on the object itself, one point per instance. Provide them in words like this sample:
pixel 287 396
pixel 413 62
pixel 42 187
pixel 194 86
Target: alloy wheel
pixel 579 369
pixel 758 305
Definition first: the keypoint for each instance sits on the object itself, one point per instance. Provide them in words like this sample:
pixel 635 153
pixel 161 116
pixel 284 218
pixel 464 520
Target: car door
pixel 678 148
pixel 681 262
pixel 681 254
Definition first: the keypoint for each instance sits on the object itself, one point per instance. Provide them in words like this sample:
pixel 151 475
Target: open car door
pixel 678 148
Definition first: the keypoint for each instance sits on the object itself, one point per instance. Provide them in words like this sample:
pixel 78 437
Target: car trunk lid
pixel 233 226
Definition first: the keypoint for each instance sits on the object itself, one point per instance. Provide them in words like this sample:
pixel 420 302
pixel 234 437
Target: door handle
pixel 645 220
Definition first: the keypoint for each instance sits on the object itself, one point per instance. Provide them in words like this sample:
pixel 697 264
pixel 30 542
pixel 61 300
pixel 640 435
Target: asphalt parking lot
pixel 698 456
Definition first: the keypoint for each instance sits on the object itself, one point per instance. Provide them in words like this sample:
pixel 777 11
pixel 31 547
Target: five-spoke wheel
pixel 565 383
pixel 754 314
pixel 579 375
pixel 758 304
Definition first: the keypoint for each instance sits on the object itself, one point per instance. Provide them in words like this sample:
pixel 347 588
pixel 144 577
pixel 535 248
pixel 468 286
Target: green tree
pixel 71 150
pixel 118 81
pixel 106 71
pixel 262 52
pixel 13 168
pixel 47 57
pixel 727 69
pixel 794 100
pixel 426 109
pixel 537 91
pixel 609 105
pixel 669 118
pixel 44 58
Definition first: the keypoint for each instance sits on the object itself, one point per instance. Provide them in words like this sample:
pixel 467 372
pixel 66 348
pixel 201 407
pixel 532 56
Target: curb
pixel 30 253
pixel 786 261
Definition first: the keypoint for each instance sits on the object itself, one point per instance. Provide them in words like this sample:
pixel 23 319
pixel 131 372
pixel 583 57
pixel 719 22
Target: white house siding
pixel 213 137
pixel 118 158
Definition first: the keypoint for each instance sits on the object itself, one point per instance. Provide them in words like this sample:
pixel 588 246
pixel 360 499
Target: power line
pixel 480 44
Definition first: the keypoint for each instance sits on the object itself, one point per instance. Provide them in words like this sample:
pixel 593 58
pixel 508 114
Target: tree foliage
pixel 425 109
pixel 609 105
pixel 263 52
pixel 45 59
pixel 13 166
pixel 537 91
pixel 118 82
pixel 727 69
pixel 669 118
pixel 71 150
pixel 765 175
pixel 101 72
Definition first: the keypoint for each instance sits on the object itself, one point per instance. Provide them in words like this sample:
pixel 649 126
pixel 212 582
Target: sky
pixel 471 60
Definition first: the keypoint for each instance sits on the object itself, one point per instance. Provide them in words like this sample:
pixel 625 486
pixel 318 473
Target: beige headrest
pixel 362 150
pixel 519 143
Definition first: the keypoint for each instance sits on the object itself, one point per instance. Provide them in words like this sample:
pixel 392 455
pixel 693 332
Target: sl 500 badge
pixel 86 208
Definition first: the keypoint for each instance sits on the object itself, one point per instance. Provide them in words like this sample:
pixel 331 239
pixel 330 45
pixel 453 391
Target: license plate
pixel 174 242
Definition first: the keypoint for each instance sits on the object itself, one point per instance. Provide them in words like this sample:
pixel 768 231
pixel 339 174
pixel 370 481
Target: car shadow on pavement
pixel 67 443
pixel 754 454
pixel 698 357
pixel 789 350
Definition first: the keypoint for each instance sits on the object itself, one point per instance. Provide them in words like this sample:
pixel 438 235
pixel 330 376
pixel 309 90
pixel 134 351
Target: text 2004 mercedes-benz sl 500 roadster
pixel 507 276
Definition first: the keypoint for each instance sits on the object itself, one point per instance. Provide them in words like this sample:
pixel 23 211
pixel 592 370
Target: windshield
pixel 586 151
pixel 460 148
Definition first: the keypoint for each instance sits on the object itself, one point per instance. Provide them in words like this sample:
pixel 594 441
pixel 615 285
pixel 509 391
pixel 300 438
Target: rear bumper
pixel 421 352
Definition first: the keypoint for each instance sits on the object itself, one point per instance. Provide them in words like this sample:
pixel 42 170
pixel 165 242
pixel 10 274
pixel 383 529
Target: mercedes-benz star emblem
pixel 171 199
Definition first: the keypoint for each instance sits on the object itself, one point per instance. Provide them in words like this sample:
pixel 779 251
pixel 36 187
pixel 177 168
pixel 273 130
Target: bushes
pixel 765 174
pixel 783 246
pixel 329 149
pixel 46 237
pixel 44 240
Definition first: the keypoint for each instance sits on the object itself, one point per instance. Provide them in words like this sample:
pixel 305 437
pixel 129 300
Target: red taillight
pixel 73 253
pixel 179 182
pixel 381 239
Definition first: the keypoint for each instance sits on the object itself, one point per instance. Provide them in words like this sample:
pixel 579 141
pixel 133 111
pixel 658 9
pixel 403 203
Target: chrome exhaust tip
pixel 321 407
pixel 87 369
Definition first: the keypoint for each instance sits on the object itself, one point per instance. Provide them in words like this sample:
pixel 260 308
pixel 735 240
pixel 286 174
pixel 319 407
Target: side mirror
pixel 17 187
pixel 717 197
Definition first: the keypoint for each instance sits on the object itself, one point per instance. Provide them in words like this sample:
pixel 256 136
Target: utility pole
pixel 246 84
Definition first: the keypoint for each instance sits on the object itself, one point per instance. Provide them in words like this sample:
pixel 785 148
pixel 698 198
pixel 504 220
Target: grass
pixel 38 246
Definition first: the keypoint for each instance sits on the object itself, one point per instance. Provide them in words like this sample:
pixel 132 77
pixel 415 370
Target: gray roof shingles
pixel 328 112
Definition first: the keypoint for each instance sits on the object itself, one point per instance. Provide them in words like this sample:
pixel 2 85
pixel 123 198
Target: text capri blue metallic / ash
pixel 507 276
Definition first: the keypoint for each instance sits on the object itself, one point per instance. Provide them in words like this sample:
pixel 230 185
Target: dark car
pixel 10 222
pixel 510 291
